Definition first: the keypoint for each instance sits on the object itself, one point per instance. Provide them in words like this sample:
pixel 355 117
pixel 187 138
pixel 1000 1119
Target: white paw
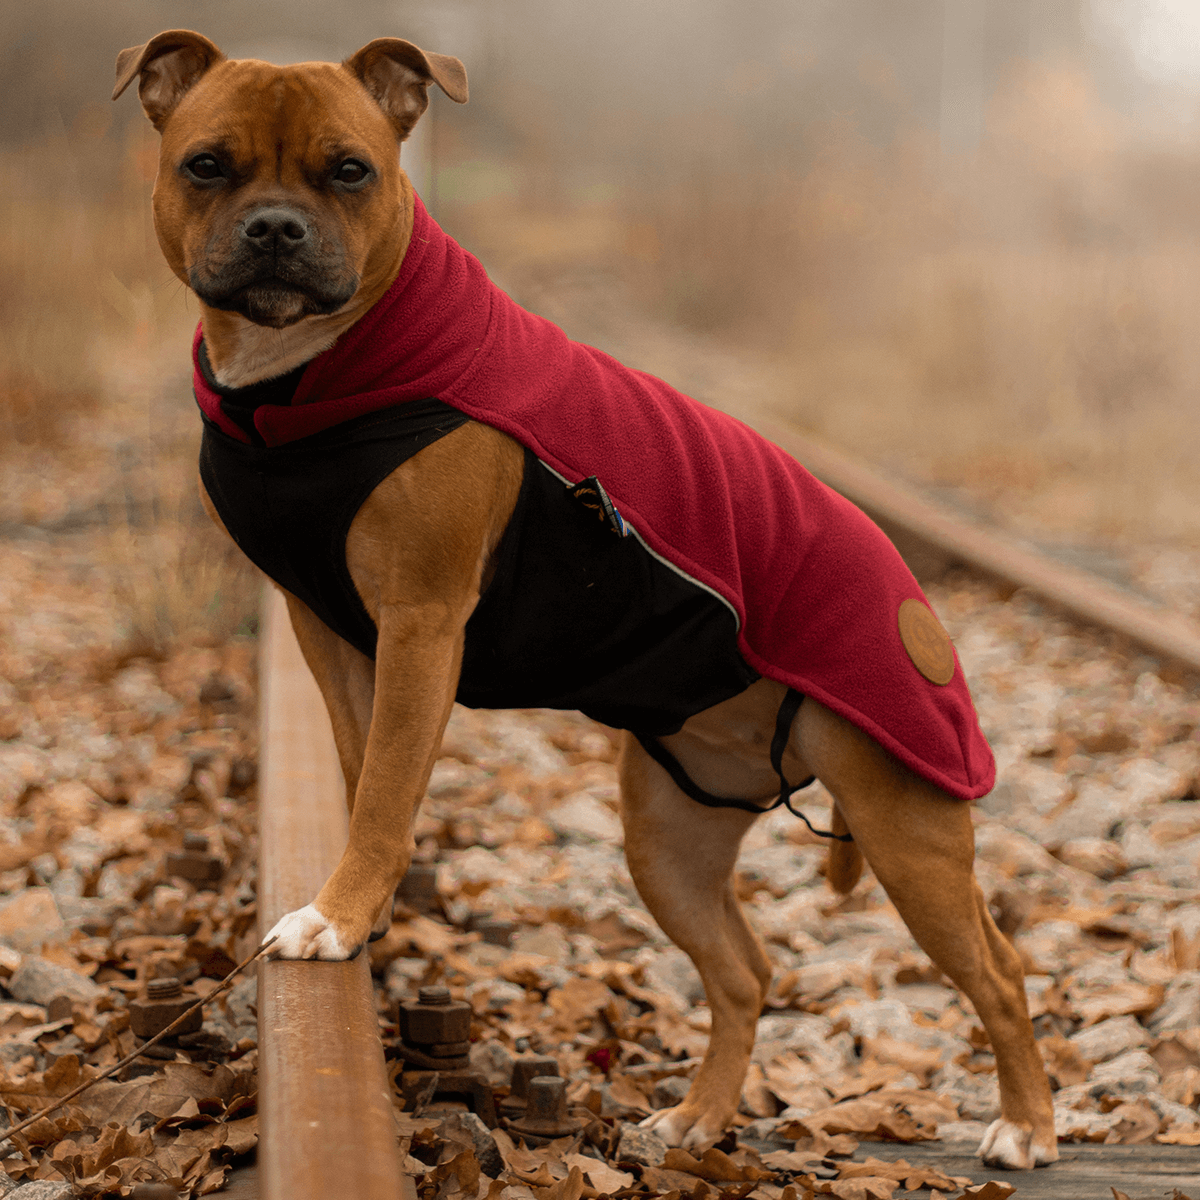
pixel 679 1128
pixel 1006 1144
pixel 306 933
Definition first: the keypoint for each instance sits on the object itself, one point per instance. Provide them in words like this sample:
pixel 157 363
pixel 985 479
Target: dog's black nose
pixel 282 230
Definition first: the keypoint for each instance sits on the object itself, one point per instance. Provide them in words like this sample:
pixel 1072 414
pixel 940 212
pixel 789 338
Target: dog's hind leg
pixel 920 844
pixel 681 856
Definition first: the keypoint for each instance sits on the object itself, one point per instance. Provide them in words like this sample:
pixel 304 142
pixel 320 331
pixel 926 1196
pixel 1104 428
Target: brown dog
pixel 281 203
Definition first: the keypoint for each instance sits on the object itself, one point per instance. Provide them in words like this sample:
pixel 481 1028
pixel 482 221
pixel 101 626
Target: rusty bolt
pixel 418 889
pixel 435 1024
pixel 165 1000
pixel 547 1097
pixel 194 862
pixel 60 1008
pixel 546 1111
pixel 496 932
pixel 525 1069
pixel 493 931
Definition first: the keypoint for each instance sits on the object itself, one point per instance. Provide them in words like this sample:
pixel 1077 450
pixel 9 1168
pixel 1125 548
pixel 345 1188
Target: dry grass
pixel 1017 322
pixel 98 433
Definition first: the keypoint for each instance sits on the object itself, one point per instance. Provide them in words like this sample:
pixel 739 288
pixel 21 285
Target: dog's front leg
pixel 346 678
pixel 419 552
pixel 416 673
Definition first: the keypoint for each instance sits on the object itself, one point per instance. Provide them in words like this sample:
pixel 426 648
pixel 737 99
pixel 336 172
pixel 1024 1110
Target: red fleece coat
pixel 814 582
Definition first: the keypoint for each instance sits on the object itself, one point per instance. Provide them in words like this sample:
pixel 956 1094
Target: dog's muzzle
pixel 278 269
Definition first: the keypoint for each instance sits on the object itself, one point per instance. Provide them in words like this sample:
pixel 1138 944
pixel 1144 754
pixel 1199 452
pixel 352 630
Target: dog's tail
pixel 843 867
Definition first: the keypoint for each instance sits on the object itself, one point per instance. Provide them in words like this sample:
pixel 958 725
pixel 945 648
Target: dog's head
pixel 279 191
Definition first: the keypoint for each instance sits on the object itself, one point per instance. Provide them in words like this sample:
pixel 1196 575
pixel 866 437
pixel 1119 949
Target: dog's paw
pixel 1009 1146
pixel 680 1126
pixel 307 933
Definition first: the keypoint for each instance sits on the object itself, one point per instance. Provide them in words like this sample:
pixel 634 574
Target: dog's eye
pixel 351 171
pixel 204 166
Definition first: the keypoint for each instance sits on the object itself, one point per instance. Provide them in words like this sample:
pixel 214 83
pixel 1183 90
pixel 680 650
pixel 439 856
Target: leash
pixel 783 728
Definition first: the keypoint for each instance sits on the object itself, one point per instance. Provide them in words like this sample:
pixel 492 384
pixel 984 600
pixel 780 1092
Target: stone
pixel 1096 856
pixel 968 1133
pixel 977 1097
pixel 1180 1008
pixel 930 998
pixel 1138 848
pixel 1092 814
pixel 241 1005
pixel 497 994
pixel 948 1045
pixel 494 1061
pixel 582 815
pixel 1073 1125
pixel 1186 918
pixel 1012 851
pixel 670 972
pixel 138 687
pixel 782 866
pixel 762 1130
pixel 1051 945
pixel 670 1091
pixel 1146 781
pixel 30 920
pixel 1099 1043
pixel 41 1189
pixel 1169 1110
pixel 870 1019
pixel 471 1129
pixel 452 778
pixel 808 1035
pixel 1133 1071
pixel 641 1146
pixel 13 1050
pixel 38 981
pixel 548 940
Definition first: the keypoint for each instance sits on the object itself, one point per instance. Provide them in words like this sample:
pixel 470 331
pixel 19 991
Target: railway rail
pixel 327 1128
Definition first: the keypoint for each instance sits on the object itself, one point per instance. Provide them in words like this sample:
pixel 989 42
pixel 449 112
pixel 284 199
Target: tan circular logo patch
pixel 927 643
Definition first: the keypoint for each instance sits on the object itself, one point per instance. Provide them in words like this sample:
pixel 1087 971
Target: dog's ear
pixel 398 75
pixel 168 65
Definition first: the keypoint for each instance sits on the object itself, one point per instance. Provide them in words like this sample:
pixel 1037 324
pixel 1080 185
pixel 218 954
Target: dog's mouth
pixel 273 299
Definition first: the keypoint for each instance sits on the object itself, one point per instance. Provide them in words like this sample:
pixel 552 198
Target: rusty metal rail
pixel 898 508
pixel 327 1124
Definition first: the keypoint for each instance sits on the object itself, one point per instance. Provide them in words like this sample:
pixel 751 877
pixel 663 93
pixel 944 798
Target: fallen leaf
pixel 1178 1134
pixel 1138 1124
pixel 890 1051
pixel 577 1002
pixel 603 1178
pixel 570 1188
pixel 912 1177
pixel 1116 1000
pixel 864 1188
pixel 714 1165
pixel 870 1118
pixel 1064 1064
